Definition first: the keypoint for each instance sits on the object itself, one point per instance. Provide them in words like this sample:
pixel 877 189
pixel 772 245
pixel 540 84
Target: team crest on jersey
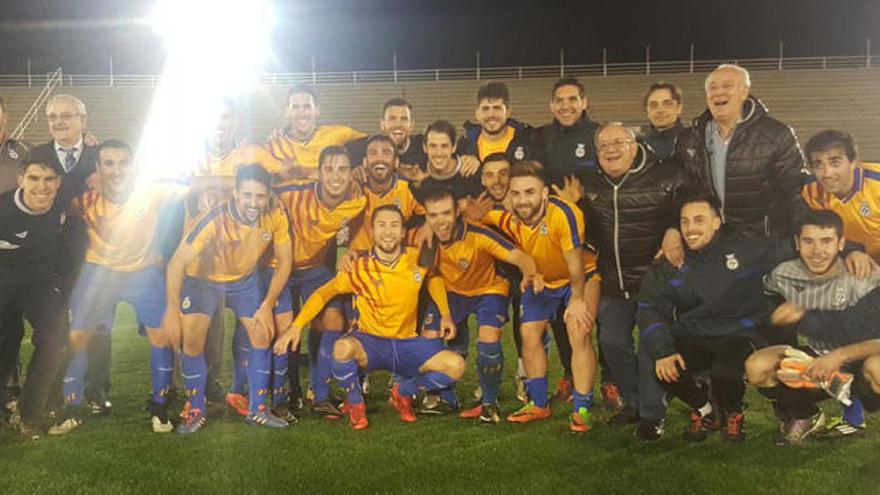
pixel 397 203
pixel 417 277
pixel 864 209
pixel 840 297
pixel 519 153
pixel 732 263
pixel 186 303
pixel 429 318
pixel 581 150
pixel 544 230
pixel 13 154
pixel 463 264
pixel 266 236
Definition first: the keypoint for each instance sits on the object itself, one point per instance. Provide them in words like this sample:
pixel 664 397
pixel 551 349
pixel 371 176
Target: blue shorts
pixel 303 283
pixel 99 289
pixel 544 305
pixel 284 304
pixel 401 356
pixel 243 296
pixel 490 309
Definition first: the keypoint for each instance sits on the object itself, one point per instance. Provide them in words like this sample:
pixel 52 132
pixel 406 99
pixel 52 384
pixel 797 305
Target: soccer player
pixel 495 131
pixel 318 211
pixel 397 123
pixel 551 230
pixel 300 141
pixel 817 280
pixel 845 185
pixel 386 284
pixel 219 258
pixel 444 167
pixel 32 234
pixel 122 263
pixel 466 260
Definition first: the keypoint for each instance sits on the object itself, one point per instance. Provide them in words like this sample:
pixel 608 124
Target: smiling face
pixel 397 123
pixel 380 162
pixel 726 92
pixel 662 109
pixel 528 195
pixel 492 114
pixel 617 150
pixel 66 123
pixel 388 230
pixel 495 178
pixel 116 172
pixel 225 128
pixel 302 114
pixel 39 185
pixel 567 105
pixel 698 224
pixel 251 200
pixel 440 215
pixel 334 175
pixel 833 170
pixel 818 247
pixel 440 149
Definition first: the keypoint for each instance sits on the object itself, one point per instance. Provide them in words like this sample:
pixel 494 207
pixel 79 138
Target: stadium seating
pixel 810 100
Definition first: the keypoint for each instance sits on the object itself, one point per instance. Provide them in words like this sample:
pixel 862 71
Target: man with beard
pixel 495 131
pixel 663 106
pixel 387 282
pixel 219 257
pixel 397 123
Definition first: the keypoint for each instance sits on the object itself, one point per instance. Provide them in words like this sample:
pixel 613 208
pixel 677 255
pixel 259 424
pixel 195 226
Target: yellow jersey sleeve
pixel 566 223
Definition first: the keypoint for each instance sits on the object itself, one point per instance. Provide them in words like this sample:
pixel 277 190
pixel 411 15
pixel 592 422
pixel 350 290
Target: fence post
pixel 561 62
pixel 868 53
pixel 779 67
pixel 647 59
pixel 604 61
pixel 394 60
pixel 520 72
pixel 30 77
pixel 692 59
pixel 111 71
pixel 478 65
pixel 314 74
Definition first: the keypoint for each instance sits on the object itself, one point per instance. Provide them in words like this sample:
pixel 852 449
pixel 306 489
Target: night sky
pixel 81 35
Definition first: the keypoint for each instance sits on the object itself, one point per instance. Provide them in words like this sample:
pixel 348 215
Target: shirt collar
pixel 76 148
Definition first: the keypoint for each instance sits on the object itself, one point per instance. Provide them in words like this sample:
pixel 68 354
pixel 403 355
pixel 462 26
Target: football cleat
pixel 159 419
pixel 839 428
pixel 734 427
pixel 489 414
pixel 403 405
pixel 70 419
pixel 194 421
pixel 580 421
pixel 799 429
pixel 284 412
pixel 433 405
pixel 471 413
pixel 530 412
pixel 699 427
pixel 625 416
pixel 238 403
pixel 611 399
pixel 357 416
pixel 649 430
pixel 265 418
pixel 327 410
pixel 564 391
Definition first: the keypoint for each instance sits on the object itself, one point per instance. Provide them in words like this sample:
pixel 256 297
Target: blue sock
pixel 537 388
pixel 259 371
pixel 854 414
pixel 161 368
pixel 433 381
pixel 195 375
pixel 75 376
pixel 490 363
pixel 279 378
pixel 582 400
pixel 241 348
pixel 320 375
pixel 346 375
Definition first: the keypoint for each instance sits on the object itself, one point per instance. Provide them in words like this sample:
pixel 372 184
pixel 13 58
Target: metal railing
pixel 481 73
pixel 53 80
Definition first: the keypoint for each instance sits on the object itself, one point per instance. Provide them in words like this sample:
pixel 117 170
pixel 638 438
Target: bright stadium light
pixel 215 50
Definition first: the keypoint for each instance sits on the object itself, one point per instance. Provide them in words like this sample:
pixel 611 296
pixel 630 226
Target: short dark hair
pixel 569 81
pixel 528 168
pixel 493 91
pixel 116 144
pixel 44 156
pixel 437 193
pixel 820 218
pixel 395 102
pixel 443 127
pixel 497 157
pixel 332 151
pixel 699 195
pixel 386 207
pixel 379 138
pixel 673 89
pixel 830 138
pixel 302 88
pixel 254 172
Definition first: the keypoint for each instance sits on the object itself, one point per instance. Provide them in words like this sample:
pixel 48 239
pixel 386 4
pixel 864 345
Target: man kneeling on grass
pixel 795 381
pixel 386 282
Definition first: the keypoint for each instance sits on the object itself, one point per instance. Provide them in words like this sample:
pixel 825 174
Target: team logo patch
pixel 417 276
pixel 267 236
pixel 429 318
pixel 544 230
pixel 186 303
pixel 581 150
pixel 397 203
pixel 13 154
pixel 519 153
pixel 732 263
pixel 864 209
pixel 840 296
pixel 463 264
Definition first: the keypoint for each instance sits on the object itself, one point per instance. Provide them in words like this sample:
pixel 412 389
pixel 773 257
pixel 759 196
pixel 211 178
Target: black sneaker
pixel 214 392
pixel 284 412
pixel 489 414
pixel 326 410
pixel 625 416
pixel 433 405
pixel 100 405
pixel 650 430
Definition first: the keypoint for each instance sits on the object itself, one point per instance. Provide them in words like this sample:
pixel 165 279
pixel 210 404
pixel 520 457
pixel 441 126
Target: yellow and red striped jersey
pixel 225 164
pixel 285 148
pixel 313 225
pixel 561 230
pixel 860 209
pixel 467 262
pixel 230 248
pixel 400 196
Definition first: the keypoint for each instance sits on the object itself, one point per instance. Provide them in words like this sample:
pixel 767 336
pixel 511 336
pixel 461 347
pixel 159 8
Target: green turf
pixel 119 454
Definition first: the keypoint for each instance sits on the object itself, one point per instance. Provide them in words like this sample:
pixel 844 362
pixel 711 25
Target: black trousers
pixel 11 336
pixel 41 303
pixel 724 359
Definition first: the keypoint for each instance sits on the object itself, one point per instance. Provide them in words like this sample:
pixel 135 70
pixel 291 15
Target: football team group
pixel 706 257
